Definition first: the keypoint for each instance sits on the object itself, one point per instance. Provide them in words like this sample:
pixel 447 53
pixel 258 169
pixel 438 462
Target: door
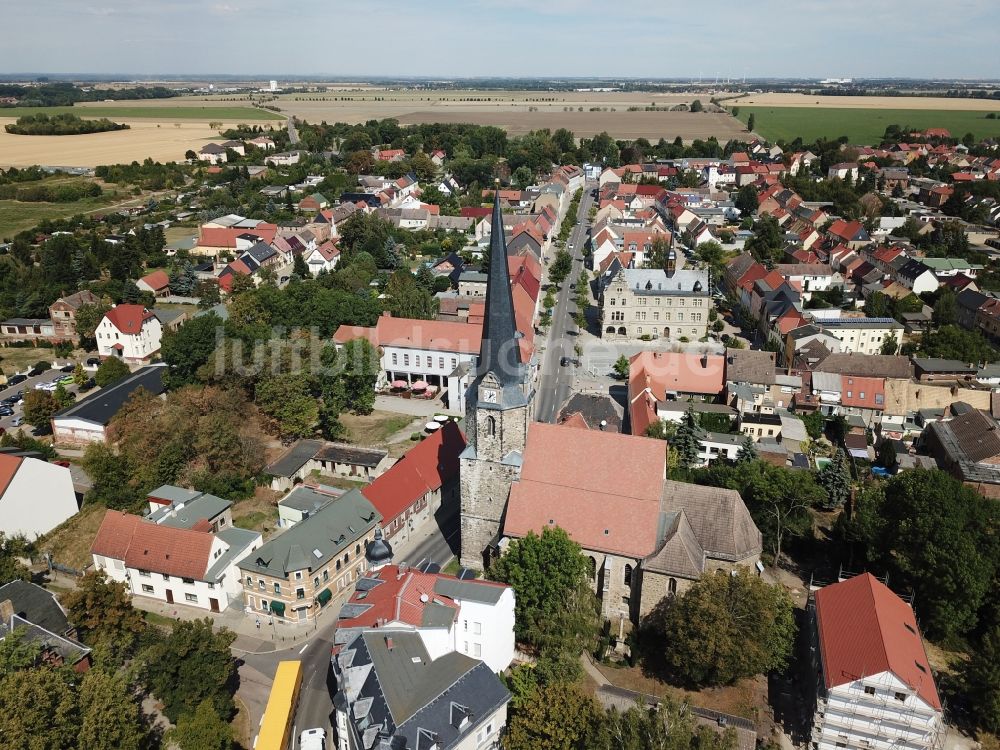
pixel 170 596
pixel 214 604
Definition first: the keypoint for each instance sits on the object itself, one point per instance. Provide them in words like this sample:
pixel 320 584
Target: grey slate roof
pixel 594 408
pixel 199 507
pixel 70 650
pixel 297 456
pixel 100 406
pixel 720 519
pixel 681 553
pixel 330 531
pixel 750 366
pixel 655 281
pixel 342 453
pixel 306 499
pixel 239 541
pixel 471 591
pixel 35 604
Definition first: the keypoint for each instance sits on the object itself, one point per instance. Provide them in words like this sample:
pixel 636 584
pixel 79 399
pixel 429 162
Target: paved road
pixel 439 546
pixel 556 382
pixel 293 134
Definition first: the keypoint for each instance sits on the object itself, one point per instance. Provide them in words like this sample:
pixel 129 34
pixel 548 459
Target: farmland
pixel 861 126
pixel 16 216
pixel 188 111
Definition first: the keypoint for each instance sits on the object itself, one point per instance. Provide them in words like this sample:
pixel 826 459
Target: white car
pixel 313 739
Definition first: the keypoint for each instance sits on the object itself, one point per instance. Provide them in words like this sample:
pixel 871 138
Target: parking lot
pixel 47 378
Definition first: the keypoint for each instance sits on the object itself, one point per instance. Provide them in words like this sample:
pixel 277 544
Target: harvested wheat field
pixel 146 138
pixel 865 102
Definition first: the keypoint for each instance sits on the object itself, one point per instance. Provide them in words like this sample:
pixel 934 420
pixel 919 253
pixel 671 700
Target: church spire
pixel 499 352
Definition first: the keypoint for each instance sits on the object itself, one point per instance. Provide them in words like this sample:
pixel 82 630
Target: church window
pixel 671 585
pixel 593 568
pixel 491 426
pixel 628 575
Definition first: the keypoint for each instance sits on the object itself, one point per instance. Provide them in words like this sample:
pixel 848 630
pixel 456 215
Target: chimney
pixel 388 643
pixel 6 611
pixel 704 361
pixel 671 263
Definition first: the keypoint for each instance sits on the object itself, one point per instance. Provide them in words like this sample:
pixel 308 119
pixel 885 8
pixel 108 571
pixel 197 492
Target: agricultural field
pixel 944 103
pixel 861 126
pixel 163 141
pixel 154 110
pixel 16 216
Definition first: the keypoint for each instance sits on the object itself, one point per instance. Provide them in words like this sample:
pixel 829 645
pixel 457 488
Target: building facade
pixel 656 303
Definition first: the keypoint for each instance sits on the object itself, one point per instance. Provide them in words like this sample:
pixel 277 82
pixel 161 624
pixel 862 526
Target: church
pixel 646 536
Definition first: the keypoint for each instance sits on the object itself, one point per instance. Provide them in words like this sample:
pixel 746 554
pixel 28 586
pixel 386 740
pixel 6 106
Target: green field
pixel 187 112
pixel 861 126
pixel 16 216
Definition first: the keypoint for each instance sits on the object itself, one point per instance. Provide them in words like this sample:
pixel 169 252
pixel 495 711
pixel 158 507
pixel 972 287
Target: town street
pixel 555 382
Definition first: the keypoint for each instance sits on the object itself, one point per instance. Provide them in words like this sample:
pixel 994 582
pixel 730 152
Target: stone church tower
pixel 498 410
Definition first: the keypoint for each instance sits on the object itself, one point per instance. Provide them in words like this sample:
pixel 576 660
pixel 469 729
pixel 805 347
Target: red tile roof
pixel 128 318
pixel 156 280
pixel 872 388
pixel 864 630
pixel 435 335
pixel 680 372
pixel 226 236
pixel 603 488
pixel 184 553
pixel 8 468
pixel 425 468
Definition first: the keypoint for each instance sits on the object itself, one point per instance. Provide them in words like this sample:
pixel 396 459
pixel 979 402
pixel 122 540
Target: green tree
pixel 109 713
pixel 890 345
pixel 555 607
pixel 879 305
pixel 561 266
pixel 751 122
pixel 952 342
pixel 687 442
pixel 768 241
pixel 726 628
pixel 945 309
pixel 981 681
pixel 356 367
pixel 696 106
pixel 662 429
pixel 666 726
pixel 835 479
pixel 102 611
pixel 111 475
pixel 814 423
pixel 289 401
pixel 88 317
pixel 79 374
pixel 407 299
pixel 202 730
pixel 886 455
pixel 746 200
pixel 747 451
pixel 559 717
pixel 621 367
pixel 190 347
pixel 300 268
pixel 39 406
pixel 38 709
pixel 110 370
pixel 193 664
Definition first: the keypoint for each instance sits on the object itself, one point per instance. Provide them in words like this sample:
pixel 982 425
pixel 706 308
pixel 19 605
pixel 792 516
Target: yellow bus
pixel 277 723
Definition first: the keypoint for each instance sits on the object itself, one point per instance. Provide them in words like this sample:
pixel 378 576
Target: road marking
pixel 302 650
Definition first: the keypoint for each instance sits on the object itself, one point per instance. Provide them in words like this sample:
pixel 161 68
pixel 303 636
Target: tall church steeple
pixel 500 351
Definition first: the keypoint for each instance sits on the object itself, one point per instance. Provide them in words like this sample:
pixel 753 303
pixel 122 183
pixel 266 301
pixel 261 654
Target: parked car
pixel 313 739
pixel 15 379
pixel 6 411
pixel 87 384
pixel 67 368
pixel 35 372
pixel 17 422
pixel 67 380
pixel 93 361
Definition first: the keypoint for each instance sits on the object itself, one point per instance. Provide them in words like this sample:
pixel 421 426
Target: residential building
pixel 63 312
pixel 471 616
pixel 966 444
pixel 391 691
pixel 656 303
pixel 175 564
pixel 303 501
pixel 846 335
pixel 188 509
pixel 157 283
pixel 874 688
pixel 130 332
pixel 35 496
pixel 323 258
pixel 657 379
pixel 334 459
pixel 298 573
pixel 37 616
pixel 419 487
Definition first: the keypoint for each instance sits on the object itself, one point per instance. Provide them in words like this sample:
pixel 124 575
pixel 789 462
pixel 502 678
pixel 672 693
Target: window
pixel 454 362
pixel 900 696
pixel 249 582
pixel 147 589
pixel 869 690
pixel 277 588
pixel 260 583
pixel 298 575
pixel 491 426
pixel 211 585
pixel 191 598
pixel 671 585
pixel 406 359
pixel 441 362
pixel 611 301
pixel 395 358
pixel 465 626
pixel 316 581
pixel 166 577
pixel 628 575
pixel 416 360
pixel 477 650
pixel 849 394
pixel 144 574
pixel 861 394
pixel 338 564
pixel 357 549
pixel 326 575
pixel 300 593
pixel 477 628
pixel 188 581
pixel 263 604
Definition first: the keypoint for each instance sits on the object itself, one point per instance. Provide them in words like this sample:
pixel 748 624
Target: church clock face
pixel 489 396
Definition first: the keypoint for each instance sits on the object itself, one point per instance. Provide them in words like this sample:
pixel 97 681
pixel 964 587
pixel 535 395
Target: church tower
pixel 498 410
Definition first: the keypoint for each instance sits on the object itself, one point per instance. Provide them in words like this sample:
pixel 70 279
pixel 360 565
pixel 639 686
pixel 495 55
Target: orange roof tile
pixel 128 318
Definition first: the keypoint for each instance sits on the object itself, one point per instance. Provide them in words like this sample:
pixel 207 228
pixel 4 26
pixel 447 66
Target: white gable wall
pixel 39 497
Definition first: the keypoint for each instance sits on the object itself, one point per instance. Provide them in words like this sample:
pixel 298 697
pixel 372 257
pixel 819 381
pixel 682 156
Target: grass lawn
pixel 16 216
pixel 70 542
pixel 257 513
pixel 861 126
pixel 17 359
pixel 375 428
pixel 186 112
pixel 167 623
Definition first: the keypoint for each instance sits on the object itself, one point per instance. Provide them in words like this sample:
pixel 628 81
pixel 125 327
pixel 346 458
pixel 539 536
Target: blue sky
pixel 454 38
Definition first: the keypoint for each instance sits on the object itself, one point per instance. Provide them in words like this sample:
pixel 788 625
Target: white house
pixel 875 690
pixel 190 566
pixel 130 332
pixel 473 617
pixel 842 170
pixel 322 258
pixel 807 277
pixel 35 496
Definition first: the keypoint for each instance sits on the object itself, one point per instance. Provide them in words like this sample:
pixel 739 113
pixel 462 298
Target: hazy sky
pixel 454 38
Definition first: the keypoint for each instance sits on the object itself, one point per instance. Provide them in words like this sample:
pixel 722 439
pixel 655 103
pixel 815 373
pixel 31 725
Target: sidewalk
pixel 418 407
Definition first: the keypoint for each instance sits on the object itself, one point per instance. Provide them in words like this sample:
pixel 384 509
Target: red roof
pixel 852 387
pixel 156 280
pixel 226 236
pixel 184 553
pixel 475 212
pixel 8 468
pixel 128 318
pixel 681 372
pixel 425 468
pixel 864 630
pixel 603 488
pixel 435 335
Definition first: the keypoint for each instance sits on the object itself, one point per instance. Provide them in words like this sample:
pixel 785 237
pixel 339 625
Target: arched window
pixel 671 585
pixel 338 564
pixel 593 567
pixel 628 575
pixel 491 426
